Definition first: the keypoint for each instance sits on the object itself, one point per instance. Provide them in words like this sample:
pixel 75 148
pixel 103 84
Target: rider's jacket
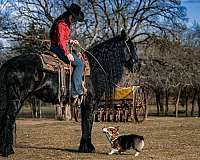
pixel 61 36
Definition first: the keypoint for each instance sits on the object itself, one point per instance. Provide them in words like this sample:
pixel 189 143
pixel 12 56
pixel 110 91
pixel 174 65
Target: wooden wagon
pixel 126 104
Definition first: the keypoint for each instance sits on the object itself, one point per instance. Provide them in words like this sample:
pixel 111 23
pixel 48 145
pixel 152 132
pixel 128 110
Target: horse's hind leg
pixel 12 108
pixel 2 114
pixel 3 105
pixel 6 147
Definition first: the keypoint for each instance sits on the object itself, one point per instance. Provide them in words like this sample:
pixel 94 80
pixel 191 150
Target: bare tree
pixel 168 65
pixel 141 18
pixel 191 37
pixel 103 18
pixel 23 16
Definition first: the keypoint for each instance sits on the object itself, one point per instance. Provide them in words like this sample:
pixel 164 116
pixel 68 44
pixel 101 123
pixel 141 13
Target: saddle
pixel 51 63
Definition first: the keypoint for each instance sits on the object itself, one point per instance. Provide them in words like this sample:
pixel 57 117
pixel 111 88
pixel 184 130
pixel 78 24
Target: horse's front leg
pixel 87 111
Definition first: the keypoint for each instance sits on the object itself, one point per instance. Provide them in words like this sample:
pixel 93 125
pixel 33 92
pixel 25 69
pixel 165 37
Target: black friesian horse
pixel 23 75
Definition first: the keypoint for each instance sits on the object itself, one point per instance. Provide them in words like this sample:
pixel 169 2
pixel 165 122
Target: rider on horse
pixel 60 40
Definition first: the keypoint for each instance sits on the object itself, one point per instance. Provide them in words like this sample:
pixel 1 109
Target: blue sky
pixel 193 10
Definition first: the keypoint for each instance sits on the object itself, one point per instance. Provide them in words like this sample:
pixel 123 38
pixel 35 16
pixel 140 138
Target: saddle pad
pixel 51 62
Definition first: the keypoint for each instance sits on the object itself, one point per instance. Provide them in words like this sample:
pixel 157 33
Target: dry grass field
pixel 166 138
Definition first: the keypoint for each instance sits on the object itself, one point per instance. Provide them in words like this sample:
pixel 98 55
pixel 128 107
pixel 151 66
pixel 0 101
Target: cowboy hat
pixel 75 10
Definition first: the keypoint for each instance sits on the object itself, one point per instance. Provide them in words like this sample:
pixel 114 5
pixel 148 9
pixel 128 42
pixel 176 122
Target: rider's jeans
pixel 77 70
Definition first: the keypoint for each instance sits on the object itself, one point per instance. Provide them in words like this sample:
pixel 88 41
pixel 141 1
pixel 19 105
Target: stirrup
pixel 80 99
pixel 84 89
pixel 75 100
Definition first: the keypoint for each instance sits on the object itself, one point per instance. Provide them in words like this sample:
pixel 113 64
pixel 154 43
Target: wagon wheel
pixel 139 104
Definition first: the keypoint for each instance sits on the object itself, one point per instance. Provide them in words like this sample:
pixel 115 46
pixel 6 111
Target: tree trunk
pixel 36 107
pixel 145 103
pixel 177 102
pixel 158 101
pixel 186 102
pixel 39 108
pixel 198 102
pixel 33 110
pixel 166 102
pixel 193 101
pixel 161 102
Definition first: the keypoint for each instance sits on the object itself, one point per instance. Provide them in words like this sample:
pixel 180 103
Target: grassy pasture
pixel 166 138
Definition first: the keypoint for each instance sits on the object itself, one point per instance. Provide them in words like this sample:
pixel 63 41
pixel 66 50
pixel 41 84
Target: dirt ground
pixel 166 138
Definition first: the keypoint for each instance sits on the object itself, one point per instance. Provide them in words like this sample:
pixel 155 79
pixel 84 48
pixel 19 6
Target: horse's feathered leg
pixel 2 124
pixel 86 125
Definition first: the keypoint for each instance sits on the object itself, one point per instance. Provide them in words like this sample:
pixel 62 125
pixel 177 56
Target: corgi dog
pixel 121 143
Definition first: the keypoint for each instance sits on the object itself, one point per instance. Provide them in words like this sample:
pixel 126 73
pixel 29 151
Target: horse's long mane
pixel 110 54
pixel 108 41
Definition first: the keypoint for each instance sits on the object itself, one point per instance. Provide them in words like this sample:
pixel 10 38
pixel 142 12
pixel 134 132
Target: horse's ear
pixel 123 34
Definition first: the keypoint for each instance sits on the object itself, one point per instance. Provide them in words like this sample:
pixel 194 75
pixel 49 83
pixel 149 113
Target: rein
pixel 94 59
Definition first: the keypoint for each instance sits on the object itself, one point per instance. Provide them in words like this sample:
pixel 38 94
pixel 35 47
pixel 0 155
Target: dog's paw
pixel 110 153
pixel 137 153
pixel 113 151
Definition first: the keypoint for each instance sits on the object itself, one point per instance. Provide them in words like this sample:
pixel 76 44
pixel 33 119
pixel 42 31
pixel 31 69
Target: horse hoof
pixel 86 146
pixel 6 151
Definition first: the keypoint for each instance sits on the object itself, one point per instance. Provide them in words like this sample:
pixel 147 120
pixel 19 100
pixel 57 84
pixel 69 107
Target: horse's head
pixel 131 58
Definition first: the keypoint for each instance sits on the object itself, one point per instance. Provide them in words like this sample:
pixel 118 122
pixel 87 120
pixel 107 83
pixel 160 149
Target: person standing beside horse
pixel 60 41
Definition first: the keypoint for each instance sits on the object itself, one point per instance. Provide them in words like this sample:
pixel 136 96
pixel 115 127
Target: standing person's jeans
pixel 77 71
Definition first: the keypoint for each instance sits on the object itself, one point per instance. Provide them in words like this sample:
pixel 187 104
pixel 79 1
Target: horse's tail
pixel 3 95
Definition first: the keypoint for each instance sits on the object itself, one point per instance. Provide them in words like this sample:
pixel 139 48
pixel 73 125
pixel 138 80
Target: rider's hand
pixel 79 54
pixel 74 42
pixel 70 57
